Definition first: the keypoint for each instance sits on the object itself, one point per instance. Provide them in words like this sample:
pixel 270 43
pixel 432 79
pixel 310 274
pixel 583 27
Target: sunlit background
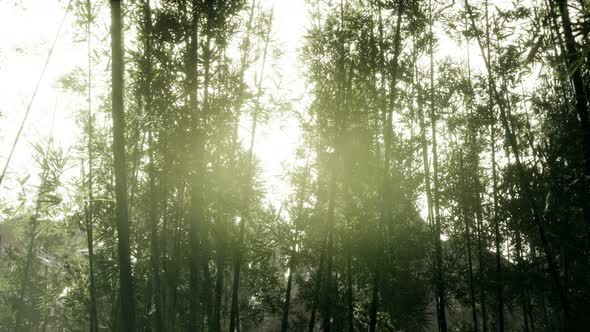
pixel 24 50
pixel 30 27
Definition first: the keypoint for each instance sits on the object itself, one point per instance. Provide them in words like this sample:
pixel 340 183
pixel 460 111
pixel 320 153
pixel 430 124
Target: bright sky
pixel 30 27
pixel 276 144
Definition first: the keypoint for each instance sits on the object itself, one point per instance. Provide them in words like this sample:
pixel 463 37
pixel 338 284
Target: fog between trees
pixel 440 182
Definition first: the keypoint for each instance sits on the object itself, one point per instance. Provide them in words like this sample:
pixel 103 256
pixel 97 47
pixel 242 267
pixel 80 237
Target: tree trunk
pixel 581 99
pixel 196 215
pixel 480 259
pixel 285 320
pixel 327 289
pixel 216 326
pixel 153 213
pixel 498 254
pixel 440 281
pixel 206 291
pixel 477 206
pixel 465 216
pixel 524 292
pixel 89 205
pixel 317 287
pixel 125 280
pixel 233 321
pixel 155 245
pixel 385 212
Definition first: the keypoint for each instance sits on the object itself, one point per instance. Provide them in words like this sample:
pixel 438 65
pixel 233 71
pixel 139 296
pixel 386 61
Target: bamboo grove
pixel 440 182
